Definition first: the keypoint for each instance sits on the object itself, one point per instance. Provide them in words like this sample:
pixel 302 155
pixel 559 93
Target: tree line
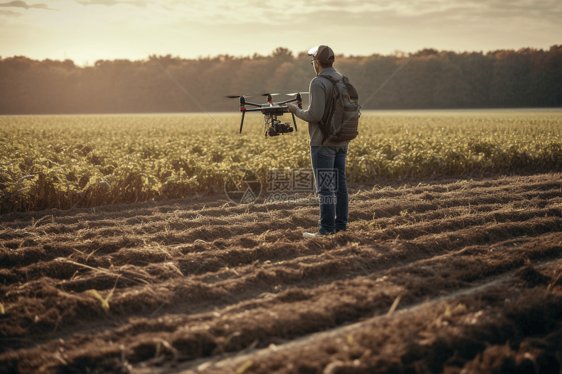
pixel 430 79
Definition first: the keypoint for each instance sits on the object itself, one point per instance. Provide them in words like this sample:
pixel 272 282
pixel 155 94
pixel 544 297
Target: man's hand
pixel 291 108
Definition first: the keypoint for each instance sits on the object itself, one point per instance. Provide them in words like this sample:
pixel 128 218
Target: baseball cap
pixel 322 53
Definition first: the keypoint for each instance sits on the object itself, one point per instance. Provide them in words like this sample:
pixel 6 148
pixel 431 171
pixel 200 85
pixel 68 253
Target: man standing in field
pixel 328 157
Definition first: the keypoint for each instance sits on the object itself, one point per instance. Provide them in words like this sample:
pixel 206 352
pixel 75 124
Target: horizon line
pixel 295 55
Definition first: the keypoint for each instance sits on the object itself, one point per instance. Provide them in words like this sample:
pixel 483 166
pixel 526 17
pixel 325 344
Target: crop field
pixel 455 267
pixel 86 161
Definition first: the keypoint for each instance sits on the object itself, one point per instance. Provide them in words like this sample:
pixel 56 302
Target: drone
pixel 271 110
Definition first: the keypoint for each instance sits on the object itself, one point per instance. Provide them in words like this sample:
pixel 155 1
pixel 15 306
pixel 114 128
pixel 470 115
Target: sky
pixel 89 30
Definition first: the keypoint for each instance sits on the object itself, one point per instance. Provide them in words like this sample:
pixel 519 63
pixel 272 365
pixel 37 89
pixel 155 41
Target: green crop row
pixel 83 161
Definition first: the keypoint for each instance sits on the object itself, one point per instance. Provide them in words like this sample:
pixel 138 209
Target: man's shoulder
pixel 332 72
pixel 319 82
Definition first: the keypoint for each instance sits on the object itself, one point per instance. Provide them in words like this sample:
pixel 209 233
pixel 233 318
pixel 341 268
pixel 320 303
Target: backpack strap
pixel 328 110
pixel 331 79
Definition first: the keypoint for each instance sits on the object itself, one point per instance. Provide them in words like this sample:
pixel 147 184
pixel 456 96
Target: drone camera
pixel 279 128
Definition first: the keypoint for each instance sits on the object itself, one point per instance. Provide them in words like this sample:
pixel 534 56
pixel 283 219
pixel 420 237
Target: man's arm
pixel 317 103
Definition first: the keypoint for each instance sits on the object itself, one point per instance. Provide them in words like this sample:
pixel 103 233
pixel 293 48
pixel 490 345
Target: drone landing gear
pixel 242 122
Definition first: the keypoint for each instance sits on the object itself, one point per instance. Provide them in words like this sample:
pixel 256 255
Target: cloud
pixel 23 4
pixel 139 3
pixel 367 13
pixel 9 13
pixel 454 13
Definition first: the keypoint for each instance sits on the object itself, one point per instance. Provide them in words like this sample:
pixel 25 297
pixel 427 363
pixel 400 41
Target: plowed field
pixel 432 276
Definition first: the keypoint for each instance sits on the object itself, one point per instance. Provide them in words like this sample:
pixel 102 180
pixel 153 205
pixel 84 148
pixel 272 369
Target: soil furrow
pixel 249 279
pixel 159 214
pixel 297 312
pixel 494 330
pixel 30 250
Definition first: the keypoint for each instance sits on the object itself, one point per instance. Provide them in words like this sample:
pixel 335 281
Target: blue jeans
pixel 328 164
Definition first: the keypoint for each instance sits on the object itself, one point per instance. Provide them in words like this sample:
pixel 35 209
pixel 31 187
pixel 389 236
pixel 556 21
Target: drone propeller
pixel 296 93
pixel 236 96
pixel 269 96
